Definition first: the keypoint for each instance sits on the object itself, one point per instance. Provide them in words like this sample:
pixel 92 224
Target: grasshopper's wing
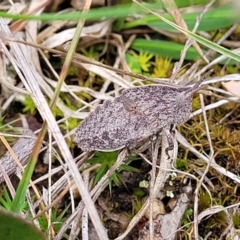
pixel 123 122
pixel 113 125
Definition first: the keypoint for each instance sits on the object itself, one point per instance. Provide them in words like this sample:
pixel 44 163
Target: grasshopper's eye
pixel 129 104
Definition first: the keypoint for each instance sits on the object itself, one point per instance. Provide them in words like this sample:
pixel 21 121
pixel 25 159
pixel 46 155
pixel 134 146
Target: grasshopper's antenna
pixel 197 85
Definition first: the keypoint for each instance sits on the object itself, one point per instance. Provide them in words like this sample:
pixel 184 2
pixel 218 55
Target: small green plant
pixel 186 221
pixel 182 164
pixel 139 63
pixel 137 205
pixel 204 200
pixel 91 52
pixel 163 67
pixel 139 192
pixel 236 220
pixel 6 201
pixel 5 127
pixel 106 161
pixel 29 105
pixel 69 124
pixel 1 121
pixel 57 219
pixel 57 112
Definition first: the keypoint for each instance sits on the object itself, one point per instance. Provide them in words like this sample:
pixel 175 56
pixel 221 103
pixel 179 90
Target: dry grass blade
pixel 211 154
pixel 40 102
pixel 214 165
pixel 175 13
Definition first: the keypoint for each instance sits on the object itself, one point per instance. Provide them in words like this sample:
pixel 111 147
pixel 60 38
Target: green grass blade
pixel 22 187
pixel 94 14
pixel 163 48
pixel 199 39
pixel 120 11
pixel 216 18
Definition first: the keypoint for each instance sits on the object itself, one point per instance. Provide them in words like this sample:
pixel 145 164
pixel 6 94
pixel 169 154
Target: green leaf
pixel 209 44
pixel 133 64
pixel 187 3
pixel 173 50
pixel 163 48
pixel 93 14
pixel 214 19
pixel 22 186
pixel 12 227
pixel 57 219
pixel 106 161
pixel 29 105
pixel 119 11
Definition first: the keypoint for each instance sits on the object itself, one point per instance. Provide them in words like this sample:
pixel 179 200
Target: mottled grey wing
pixel 135 115
pixel 111 126
pixel 123 122
pixel 157 102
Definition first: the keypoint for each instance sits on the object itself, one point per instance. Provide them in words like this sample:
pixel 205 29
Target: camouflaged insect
pixel 135 115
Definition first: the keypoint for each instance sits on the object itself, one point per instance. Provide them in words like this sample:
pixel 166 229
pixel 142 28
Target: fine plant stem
pixel 196 192
pixel 154 149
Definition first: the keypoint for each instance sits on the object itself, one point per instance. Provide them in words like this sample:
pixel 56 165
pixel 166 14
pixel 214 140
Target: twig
pixel 214 165
pixel 205 171
pixel 18 155
pixel 154 150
